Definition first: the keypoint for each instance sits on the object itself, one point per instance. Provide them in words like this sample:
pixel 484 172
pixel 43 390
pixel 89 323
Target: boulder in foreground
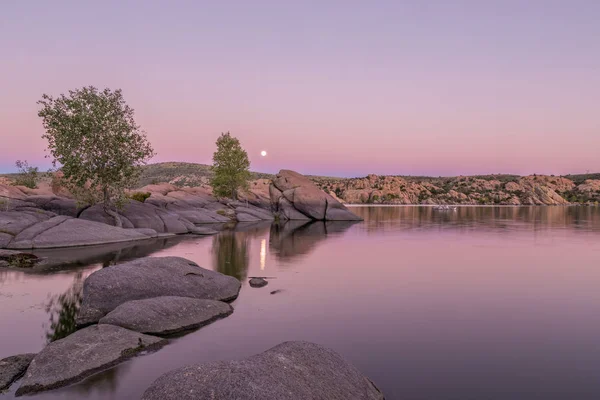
pixel 291 370
pixel 82 354
pixel 149 277
pixel 167 314
pixel 12 368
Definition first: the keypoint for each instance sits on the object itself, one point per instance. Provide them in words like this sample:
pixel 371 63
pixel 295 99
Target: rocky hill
pixel 483 190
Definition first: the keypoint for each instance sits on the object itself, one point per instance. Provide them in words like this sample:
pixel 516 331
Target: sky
pixel 342 88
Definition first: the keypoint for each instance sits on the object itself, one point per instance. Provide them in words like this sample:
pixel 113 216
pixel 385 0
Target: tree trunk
pixel 108 209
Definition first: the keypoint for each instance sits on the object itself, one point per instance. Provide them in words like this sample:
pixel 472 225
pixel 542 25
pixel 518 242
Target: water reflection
pixel 230 254
pixel 108 254
pixel 293 239
pixel 472 218
pixel 63 309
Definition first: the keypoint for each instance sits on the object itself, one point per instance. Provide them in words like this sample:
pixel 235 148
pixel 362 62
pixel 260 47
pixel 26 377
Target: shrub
pixel 139 196
pixel 27 175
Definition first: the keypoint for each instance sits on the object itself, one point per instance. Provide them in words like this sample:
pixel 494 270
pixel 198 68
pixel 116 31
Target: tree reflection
pixel 63 309
pixel 230 254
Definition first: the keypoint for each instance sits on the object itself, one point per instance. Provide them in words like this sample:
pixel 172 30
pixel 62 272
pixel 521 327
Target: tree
pixel 230 167
pixel 93 136
pixel 27 175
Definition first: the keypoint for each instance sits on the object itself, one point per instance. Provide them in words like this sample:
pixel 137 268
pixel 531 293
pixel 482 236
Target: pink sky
pixel 337 88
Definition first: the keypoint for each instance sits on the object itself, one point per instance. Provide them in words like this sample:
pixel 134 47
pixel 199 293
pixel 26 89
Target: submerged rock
pixel 82 354
pixel 149 277
pixel 12 368
pixel 291 370
pixel 167 314
pixel 258 282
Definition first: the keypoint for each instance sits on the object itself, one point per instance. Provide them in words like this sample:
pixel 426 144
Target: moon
pixel 263 153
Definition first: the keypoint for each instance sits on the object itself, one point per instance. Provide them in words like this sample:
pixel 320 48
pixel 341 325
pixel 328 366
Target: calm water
pixel 482 303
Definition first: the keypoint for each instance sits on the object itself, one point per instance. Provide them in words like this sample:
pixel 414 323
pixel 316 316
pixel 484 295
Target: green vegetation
pixel 93 136
pixel 27 175
pixel 230 167
pixel 139 196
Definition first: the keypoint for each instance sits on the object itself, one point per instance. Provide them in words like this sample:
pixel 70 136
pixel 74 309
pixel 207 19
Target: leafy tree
pixel 230 167
pixel 93 136
pixel 28 175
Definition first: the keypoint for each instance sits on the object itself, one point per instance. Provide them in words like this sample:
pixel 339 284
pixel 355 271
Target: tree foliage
pixel 92 134
pixel 28 176
pixel 230 167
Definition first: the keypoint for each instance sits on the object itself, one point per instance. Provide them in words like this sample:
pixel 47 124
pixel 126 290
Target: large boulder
pixel 291 370
pixel 62 231
pixel 145 278
pixel 12 368
pixel 293 190
pixel 55 204
pixel 82 354
pixel 166 315
pixel 13 222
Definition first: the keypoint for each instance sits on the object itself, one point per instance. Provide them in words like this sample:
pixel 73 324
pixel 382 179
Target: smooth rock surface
pixel 291 370
pixel 258 282
pixel 144 278
pixel 166 314
pixel 75 232
pixel 82 354
pixel 12 368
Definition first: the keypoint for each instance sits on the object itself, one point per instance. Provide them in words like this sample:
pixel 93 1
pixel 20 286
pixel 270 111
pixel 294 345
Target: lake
pixel 479 303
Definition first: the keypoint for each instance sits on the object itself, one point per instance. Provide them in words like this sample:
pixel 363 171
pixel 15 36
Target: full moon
pixel 263 153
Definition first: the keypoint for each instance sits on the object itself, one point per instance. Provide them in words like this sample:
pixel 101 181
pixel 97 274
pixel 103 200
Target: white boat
pixel 444 207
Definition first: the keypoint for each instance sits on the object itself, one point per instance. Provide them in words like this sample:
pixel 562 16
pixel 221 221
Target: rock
pixel 203 230
pixel 166 314
pixel 298 191
pixel 57 205
pixel 144 278
pixel 148 215
pixel 243 217
pixel 147 231
pixel 74 232
pixel 291 370
pixel 82 354
pixel 12 368
pixel 5 239
pixel 258 282
pixel 17 259
pixel 13 222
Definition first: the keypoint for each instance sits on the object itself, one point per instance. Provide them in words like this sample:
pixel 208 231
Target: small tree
pixel 27 175
pixel 93 136
pixel 230 167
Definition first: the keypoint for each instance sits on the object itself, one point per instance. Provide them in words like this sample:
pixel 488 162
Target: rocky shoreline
pixel 40 219
pixel 130 309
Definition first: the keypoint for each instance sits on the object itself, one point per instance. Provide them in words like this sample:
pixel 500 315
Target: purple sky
pixel 326 87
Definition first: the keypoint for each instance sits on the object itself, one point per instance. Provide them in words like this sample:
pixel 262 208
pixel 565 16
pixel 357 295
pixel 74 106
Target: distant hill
pixel 181 174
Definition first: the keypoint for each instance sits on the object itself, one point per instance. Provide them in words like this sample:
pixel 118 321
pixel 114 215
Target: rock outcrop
pixel 295 197
pixel 291 370
pixel 145 278
pixel 12 368
pixel 471 190
pixel 167 314
pixel 82 354
pixel 37 219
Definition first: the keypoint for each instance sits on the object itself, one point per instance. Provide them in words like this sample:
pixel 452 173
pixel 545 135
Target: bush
pixel 139 196
pixel 27 175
